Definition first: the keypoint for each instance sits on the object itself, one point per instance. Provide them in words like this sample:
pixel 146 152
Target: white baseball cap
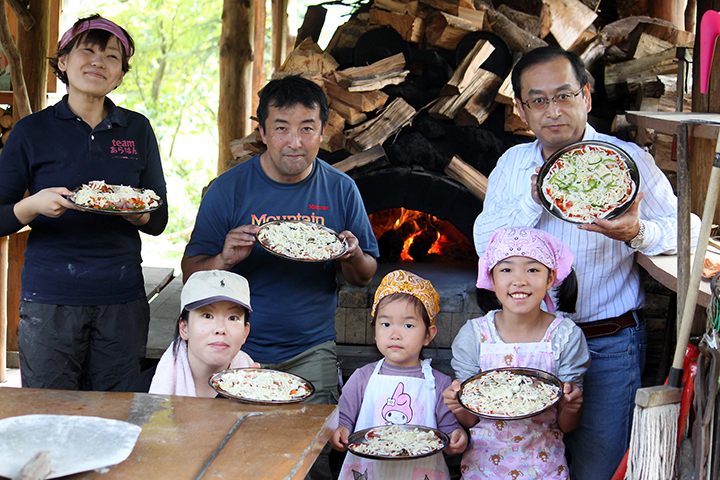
pixel 210 286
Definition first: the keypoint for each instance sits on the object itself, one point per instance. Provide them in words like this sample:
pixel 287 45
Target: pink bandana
pixel 95 24
pixel 525 242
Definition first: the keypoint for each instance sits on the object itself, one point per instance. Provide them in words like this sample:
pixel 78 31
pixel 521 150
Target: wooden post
pixel 259 55
pixel 236 42
pixel 279 33
pixel 33 45
pixel 702 150
pixel 3 306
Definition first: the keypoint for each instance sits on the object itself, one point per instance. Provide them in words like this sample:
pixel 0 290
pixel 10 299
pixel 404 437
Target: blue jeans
pixel 599 443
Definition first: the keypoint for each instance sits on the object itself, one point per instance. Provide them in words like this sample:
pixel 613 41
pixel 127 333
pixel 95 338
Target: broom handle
pixel 676 371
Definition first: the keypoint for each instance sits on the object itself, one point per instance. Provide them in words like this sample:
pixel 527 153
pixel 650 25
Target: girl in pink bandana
pixel 521 265
pixel 402 388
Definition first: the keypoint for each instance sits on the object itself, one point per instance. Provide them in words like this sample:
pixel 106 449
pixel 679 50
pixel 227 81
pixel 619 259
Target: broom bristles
pixel 653 443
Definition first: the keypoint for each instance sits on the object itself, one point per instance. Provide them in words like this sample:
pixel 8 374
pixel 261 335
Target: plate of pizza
pixel 397 442
pixel 261 386
pixel 98 197
pixel 588 180
pixel 301 241
pixel 510 393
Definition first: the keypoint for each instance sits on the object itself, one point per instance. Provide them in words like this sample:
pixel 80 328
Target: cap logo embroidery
pixel 222 282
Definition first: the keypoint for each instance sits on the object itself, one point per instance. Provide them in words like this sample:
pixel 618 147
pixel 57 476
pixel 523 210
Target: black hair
pixel 290 91
pixel 185 317
pixel 565 296
pixel 93 36
pixel 544 55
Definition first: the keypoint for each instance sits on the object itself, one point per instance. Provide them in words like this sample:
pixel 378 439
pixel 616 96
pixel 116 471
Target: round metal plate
pixel 619 210
pixel 536 374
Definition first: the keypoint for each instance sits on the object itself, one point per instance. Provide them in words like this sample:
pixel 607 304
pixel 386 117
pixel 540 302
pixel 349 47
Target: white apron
pixel 530 448
pixel 397 400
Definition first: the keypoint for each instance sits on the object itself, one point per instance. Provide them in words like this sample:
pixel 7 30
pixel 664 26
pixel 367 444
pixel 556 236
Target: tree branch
pixel 21 101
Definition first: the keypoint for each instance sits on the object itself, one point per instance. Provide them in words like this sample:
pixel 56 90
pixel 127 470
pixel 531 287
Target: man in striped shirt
pixel 553 97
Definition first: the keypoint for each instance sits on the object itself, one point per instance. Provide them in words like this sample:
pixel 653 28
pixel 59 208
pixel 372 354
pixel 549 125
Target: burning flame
pixel 411 235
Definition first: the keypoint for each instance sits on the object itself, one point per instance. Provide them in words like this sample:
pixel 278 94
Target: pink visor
pixel 95 24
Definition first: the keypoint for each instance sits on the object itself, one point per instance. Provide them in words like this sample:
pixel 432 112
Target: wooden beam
pixel 33 46
pixel 258 79
pixel 3 306
pixel 236 42
pixel 279 32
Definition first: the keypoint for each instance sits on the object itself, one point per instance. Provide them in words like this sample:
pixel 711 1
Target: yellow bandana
pixel 401 281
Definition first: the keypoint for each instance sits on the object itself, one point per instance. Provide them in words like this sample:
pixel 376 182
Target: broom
pixel 653 443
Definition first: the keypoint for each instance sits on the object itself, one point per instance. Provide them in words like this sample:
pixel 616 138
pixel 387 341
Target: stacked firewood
pixel 6 125
pixel 633 56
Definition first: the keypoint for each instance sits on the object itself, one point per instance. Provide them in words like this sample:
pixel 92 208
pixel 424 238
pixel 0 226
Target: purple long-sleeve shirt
pixel 354 391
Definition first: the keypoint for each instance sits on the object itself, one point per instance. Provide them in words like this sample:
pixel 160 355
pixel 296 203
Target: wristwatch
pixel 638 239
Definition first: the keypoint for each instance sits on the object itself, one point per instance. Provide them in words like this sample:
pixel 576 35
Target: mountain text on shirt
pixel 264 218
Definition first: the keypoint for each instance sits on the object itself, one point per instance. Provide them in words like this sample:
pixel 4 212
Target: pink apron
pixel 530 448
pixel 401 401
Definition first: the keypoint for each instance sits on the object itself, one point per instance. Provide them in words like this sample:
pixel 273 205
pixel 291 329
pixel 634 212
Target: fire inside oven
pixel 413 236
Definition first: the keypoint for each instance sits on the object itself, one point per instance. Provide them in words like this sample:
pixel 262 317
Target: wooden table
pixel 156 278
pixel 663 268
pixel 164 314
pixel 179 434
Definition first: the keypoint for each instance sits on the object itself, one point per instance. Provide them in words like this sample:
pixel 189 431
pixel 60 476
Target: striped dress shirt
pixel 608 278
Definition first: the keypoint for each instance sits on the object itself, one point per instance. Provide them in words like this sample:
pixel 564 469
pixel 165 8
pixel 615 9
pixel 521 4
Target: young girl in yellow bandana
pixel 402 388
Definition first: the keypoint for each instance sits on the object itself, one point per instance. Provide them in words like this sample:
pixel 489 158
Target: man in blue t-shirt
pixel 293 318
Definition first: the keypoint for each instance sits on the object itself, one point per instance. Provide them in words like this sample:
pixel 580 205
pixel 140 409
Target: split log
pixel 447 107
pixel 517 39
pixel 591 49
pixel 570 18
pixel 398 6
pixel 347 34
pixel 465 72
pixel 515 124
pixel 250 145
pixel 648 45
pixel 372 156
pixel 362 101
pixel 388 71
pixel 619 31
pixel 476 17
pixel 447 6
pixel 6 121
pixel 505 94
pixel 663 63
pixel 463 173
pixel 333 136
pixel 478 108
pixel 312 24
pixel 373 132
pixel 443 30
pixel 352 116
pixel 529 23
pixel 308 57
pixel 410 27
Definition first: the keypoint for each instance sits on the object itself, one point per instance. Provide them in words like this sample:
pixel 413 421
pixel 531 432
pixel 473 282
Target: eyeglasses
pixel 561 100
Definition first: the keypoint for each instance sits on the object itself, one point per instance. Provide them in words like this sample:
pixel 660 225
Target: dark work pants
pixel 73 347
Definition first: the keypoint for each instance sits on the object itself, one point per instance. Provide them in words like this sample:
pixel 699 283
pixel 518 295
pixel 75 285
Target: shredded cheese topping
pixel 396 441
pixel 508 394
pixel 98 195
pixel 262 385
pixel 588 183
pixel 302 240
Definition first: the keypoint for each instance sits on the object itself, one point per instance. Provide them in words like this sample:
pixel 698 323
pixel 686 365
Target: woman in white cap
pixel 213 325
